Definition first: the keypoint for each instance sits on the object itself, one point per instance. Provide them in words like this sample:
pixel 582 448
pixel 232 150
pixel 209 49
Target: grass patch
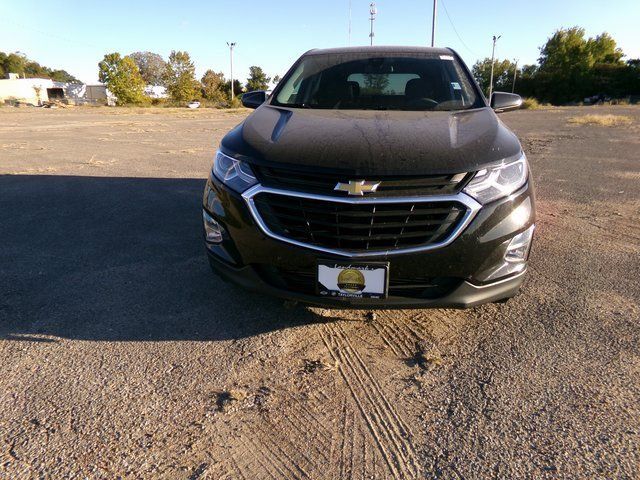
pixel 602 120
pixel 530 104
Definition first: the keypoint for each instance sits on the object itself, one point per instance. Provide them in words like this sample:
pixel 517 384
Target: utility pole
pixel 373 11
pixel 231 45
pixel 350 22
pixel 493 55
pixel 433 23
pixel 515 72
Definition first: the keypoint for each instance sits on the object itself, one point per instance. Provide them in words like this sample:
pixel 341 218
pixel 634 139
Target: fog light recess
pixel 212 229
pixel 515 255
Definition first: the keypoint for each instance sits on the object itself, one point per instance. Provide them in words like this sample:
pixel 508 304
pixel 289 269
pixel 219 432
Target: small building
pixel 98 94
pixel 155 91
pixel 33 91
pixel 38 91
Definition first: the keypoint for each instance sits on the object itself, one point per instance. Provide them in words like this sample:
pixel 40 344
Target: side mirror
pixel 254 99
pixel 503 101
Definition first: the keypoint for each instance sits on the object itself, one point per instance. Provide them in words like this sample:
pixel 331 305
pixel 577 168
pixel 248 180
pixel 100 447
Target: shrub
pixel 530 103
pixel 235 103
pixel 602 120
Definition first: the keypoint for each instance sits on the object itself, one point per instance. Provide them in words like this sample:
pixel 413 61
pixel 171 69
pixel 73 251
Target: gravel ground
pixel 124 357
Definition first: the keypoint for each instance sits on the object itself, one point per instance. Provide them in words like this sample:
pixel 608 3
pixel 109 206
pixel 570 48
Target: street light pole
pixel 515 72
pixel 231 46
pixel 433 23
pixel 493 55
pixel 373 11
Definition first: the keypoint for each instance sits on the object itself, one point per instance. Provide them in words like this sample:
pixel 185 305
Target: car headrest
pixel 417 88
pixel 354 89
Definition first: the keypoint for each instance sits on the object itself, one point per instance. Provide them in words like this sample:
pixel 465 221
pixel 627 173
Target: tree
pixel 237 87
pixel 257 80
pixel 603 49
pixel 179 77
pixel 213 86
pixel 565 61
pixel 151 66
pixel 13 63
pixel 276 79
pixel 502 74
pixel 572 67
pixel 20 64
pixel 122 77
pixel 375 84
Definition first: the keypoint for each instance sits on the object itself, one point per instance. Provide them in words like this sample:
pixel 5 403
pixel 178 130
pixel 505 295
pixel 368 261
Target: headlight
pixel 498 181
pixel 233 173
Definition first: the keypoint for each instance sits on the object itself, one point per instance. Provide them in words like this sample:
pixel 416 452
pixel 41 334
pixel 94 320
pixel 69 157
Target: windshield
pixel 360 82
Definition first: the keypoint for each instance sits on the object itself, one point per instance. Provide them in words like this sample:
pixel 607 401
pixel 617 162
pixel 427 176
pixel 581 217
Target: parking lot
pixel 124 357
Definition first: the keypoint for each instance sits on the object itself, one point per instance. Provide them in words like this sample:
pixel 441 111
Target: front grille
pixel 390 186
pixel 359 227
pixel 304 281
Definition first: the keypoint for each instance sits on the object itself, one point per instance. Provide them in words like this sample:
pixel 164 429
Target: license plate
pixel 352 280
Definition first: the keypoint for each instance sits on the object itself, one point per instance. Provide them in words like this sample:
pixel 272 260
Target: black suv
pixel 373 177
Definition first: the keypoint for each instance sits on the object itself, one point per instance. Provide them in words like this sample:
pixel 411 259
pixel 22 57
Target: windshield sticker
pixel 456 86
pixel 446 57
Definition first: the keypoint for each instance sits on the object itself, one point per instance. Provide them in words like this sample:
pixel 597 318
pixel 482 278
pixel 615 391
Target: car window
pixel 290 89
pixel 358 81
pixel 382 83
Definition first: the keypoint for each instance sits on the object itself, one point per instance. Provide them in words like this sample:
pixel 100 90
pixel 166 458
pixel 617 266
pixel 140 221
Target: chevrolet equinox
pixel 373 177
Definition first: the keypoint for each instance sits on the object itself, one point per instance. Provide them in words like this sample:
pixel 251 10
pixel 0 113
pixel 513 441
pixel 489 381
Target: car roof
pixel 381 50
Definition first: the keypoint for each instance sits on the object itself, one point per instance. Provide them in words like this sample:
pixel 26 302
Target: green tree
pixel 375 84
pixel 122 77
pixel 13 63
pixel 502 74
pixel 237 88
pixel 151 66
pixel 526 82
pixel 213 86
pixel 63 76
pixel 573 67
pixel 179 77
pixel 20 64
pixel 603 49
pixel 277 79
pixel 257 80
pixel 565 61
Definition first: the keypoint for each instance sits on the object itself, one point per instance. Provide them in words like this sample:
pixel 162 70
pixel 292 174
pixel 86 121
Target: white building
pixel 33 91
pixel 37 91
pixel 155 91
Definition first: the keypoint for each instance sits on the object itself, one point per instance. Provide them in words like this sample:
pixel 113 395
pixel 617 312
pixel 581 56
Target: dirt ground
pixel 123 357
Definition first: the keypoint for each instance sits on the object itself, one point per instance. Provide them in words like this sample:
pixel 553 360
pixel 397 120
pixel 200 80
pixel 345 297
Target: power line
pixel 47 34
pixel 456 31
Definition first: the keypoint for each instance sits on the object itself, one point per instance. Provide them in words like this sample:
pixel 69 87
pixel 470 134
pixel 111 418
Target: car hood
pixel 373 142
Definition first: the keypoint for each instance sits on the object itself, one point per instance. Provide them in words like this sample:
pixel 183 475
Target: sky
pixel 75 35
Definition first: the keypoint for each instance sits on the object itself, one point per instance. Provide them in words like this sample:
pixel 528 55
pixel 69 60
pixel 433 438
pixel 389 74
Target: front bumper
pixel 468 263
pixel 464 296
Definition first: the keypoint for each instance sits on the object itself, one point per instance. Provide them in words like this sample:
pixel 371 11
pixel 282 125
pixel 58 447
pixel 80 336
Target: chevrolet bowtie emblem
pixel 357 187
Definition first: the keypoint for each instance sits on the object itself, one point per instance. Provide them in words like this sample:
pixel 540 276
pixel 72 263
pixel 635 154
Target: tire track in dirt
pixel 397 333
pixel 284 453
pixel 303 418
pixel 389 431
pixel 260 450
pixel 389 337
